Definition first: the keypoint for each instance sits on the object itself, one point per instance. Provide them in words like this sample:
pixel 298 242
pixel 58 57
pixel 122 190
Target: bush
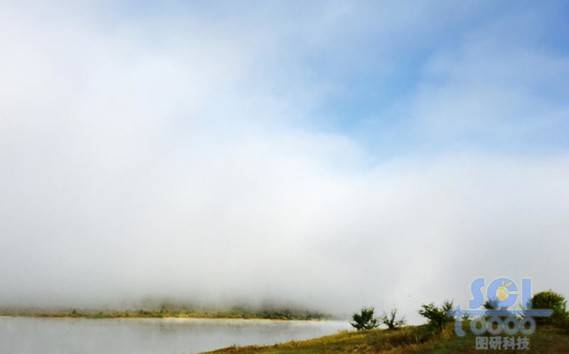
pixel 438 316
pixel 391 320
pixel 550 300
pixel 493 305
pixel 364 320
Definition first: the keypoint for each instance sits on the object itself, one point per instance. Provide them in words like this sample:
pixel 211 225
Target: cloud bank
pixel 329 155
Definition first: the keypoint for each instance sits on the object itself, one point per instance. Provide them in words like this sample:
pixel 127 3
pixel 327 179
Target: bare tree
pixel 391 320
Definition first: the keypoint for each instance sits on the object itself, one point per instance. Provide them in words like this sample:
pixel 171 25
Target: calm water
pixel 121 336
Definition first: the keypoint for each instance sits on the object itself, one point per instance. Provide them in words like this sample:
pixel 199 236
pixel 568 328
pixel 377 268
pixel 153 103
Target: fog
pixel 191 154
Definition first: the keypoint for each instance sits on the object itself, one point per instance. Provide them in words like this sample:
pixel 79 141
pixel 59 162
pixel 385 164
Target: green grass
pixel 413 339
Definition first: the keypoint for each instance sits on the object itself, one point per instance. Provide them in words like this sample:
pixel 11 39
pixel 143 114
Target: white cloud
pixel 176 161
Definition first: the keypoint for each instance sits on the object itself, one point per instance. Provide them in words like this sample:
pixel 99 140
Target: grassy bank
pixel 233 313
pixel 413 339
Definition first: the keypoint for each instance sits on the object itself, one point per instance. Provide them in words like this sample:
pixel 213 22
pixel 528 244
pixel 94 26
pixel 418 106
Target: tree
pixel 494 305
pixel 391 320
pixel 438 316
pixel 491 305
pixel 364 320
pixel 448 308
pixel 550 300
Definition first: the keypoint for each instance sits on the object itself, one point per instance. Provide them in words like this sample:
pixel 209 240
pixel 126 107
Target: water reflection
pixel 126 336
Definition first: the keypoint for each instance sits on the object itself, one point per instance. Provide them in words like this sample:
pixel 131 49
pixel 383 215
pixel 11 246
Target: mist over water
pixel 64 336
pixel 197 155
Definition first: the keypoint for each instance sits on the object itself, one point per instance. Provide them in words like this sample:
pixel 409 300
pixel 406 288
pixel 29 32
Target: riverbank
pixel 412 339
pixel 237 313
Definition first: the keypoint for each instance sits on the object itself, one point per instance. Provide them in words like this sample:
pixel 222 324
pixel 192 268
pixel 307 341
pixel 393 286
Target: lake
pixel 127 336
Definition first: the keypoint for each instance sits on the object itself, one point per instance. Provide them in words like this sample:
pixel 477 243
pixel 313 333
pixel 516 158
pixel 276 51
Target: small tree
pixel 448 308
pixel 438 316
pixel 491 304
pixel 550 300
pixel 364 320
pixel 494 305
pixel 391 320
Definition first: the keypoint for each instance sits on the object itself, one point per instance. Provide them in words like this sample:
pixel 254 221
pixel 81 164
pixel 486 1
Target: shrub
pixel 364 320
pixel 391 320
pixel 438 316
pixel 492 304
pixel 552 301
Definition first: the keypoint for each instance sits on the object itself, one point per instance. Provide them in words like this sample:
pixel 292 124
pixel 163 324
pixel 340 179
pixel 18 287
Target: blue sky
pixel 372 60
pixel 196 149
pixel 375 58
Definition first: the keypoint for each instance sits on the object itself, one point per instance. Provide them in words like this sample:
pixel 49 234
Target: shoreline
pixel 236 319
pixel 219 315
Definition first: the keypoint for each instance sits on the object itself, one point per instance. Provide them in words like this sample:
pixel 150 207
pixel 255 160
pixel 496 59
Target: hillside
pixel 407 340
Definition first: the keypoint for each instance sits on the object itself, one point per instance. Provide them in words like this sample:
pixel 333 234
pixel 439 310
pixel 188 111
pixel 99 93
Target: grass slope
pixel 406 340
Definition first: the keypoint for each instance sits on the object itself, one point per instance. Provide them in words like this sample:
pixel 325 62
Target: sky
pixel 329 154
